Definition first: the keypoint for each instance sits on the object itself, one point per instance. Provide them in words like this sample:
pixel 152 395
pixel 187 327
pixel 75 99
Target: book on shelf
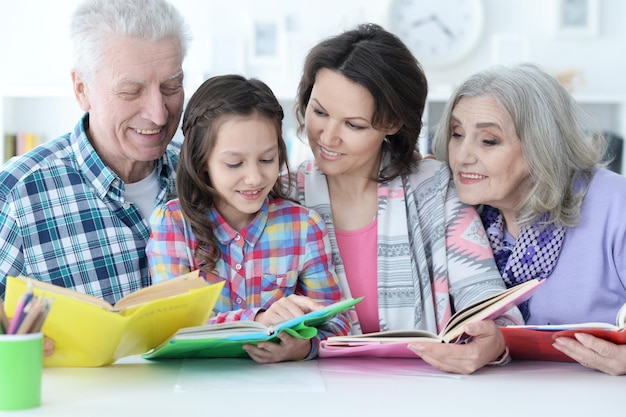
pixel 534 342
pixel 10 142
pixel 88 332
pixel 19 143
pixel 25 141
pixel 393 343
pixel 226 340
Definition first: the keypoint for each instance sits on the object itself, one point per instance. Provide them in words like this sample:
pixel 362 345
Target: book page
pixel 390 336
pixel 176 286
pixel 246 327
pixel 221 330
pixel 172 287
pixel 20 285
pixel 489 308
pixel 565 326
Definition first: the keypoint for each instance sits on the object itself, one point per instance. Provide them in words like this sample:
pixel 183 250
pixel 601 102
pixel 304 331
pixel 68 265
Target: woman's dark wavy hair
pixel 217 100
pixel 379 61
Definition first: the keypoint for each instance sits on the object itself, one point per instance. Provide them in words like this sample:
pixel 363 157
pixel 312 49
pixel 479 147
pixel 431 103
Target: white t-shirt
pixel 143 193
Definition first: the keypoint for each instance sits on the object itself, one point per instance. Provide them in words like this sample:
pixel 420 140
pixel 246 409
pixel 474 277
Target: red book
pixel 534 342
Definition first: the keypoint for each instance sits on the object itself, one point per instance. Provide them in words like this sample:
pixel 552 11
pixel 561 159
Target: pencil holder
pixel 21 363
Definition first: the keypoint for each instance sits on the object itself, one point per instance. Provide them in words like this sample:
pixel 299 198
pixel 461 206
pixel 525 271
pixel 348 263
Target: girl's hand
pixel 287 349
pixel 287 308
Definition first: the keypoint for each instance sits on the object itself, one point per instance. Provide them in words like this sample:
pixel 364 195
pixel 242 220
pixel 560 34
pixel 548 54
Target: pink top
pixel 358 250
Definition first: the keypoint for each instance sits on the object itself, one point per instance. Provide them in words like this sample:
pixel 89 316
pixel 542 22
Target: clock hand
pixel 424 20
pixel 443 27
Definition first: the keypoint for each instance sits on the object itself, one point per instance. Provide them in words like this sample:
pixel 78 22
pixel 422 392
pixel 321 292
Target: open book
pixel 226 340
pixel 534 342
pixel 88 331
pixel 393 343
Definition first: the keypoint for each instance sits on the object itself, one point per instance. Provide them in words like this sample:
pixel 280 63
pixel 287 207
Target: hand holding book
pixel 226 340
pixel 393 343
pixel 534 342
pixel 88 331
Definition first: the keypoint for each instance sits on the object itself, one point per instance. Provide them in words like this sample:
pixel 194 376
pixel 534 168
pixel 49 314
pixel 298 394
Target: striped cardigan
pixel 433 254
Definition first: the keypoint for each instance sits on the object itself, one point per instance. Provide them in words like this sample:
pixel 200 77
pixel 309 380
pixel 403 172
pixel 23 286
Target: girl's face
pixel 486 155
pixel 338 125
pixel 243 167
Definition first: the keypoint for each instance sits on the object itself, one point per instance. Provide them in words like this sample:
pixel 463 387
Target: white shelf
pixel 46 112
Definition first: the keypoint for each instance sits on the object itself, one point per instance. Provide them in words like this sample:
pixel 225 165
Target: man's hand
pixel 48 346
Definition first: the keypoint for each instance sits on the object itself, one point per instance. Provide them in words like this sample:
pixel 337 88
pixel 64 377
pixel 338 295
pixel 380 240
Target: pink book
pixel 393 343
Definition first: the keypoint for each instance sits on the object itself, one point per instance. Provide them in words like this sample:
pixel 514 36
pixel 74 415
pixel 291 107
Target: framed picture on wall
pixel 267 42
pixel 577 18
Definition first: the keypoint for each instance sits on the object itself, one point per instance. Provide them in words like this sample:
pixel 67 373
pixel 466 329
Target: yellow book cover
pixel 30 141
pixel 88 332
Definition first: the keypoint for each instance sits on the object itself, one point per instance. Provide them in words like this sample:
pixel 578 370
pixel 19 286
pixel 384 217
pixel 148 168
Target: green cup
pixel 21 363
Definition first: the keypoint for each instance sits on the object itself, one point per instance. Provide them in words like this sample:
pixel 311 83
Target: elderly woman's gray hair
pixel 558 142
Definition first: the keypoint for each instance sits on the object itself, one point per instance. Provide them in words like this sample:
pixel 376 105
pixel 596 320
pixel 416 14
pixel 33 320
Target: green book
pixel 226 340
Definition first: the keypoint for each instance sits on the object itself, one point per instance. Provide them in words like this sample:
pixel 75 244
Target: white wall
pixel 35 49
pixel 597 58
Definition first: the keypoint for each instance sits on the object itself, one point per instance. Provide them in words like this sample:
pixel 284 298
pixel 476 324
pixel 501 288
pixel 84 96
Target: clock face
pixel 438 32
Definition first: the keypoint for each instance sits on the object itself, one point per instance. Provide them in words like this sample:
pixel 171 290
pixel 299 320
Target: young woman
pixel 400 235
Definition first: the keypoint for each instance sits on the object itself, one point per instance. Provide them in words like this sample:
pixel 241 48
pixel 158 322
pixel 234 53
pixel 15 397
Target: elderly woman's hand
pixel 594 353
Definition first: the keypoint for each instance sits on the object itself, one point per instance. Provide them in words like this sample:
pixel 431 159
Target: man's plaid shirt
pixel 64 220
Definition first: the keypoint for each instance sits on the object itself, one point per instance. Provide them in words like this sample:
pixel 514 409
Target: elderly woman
pixel 519 148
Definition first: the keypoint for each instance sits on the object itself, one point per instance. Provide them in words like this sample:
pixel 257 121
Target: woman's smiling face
pixel 338 121
pixel 486 155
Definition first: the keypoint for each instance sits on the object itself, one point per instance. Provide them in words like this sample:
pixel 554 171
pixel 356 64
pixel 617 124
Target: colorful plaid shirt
pixel 64 220
pixel 285 250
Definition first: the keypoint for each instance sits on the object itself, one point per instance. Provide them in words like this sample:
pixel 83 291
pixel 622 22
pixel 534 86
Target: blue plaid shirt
pixel 64 220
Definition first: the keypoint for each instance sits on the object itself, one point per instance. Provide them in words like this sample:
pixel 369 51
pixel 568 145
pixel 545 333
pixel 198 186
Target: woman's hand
pixel 487 344
pixel 287 349
pixel 594 353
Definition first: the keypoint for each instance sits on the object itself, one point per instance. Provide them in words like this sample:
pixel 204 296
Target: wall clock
pixel 438 32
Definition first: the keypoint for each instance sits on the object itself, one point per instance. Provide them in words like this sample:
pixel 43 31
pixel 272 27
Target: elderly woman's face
pixel 485 154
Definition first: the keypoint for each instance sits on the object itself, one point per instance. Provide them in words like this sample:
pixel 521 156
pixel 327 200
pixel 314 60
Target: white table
pixel 329 387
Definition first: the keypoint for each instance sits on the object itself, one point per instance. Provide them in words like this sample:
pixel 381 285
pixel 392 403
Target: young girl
pixel 233 221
